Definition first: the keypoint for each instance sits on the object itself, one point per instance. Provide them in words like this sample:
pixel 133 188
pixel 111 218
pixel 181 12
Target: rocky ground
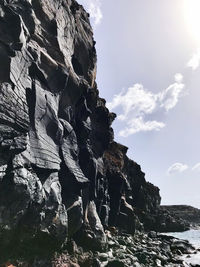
pixel 121 250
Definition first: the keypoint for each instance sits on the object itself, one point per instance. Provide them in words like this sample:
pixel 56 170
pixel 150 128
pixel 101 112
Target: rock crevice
pixel 62 175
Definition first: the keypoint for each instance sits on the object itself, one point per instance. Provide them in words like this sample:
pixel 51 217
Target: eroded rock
pixel 62 175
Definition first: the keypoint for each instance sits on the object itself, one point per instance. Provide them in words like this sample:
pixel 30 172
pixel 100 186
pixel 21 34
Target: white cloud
pixel 177 168
pixel 138 102
pixel 194 62
pixel 170 96
pixel 95 12
pixel 139 125
pixel 94 9
pixel 178 77
pixel 196 167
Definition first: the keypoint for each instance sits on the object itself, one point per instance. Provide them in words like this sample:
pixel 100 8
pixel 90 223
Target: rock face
pixel 188 214
pixel 62 176
pixel 165 221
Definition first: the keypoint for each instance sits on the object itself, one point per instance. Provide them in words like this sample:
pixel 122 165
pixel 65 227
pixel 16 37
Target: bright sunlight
pixel 192 17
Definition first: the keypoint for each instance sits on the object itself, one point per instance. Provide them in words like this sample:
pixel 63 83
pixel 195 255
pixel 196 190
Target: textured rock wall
pixel 187 213
pixel 61 173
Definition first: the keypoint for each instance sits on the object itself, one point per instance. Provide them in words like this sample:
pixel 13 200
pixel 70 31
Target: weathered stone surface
pixel 62 175
pixel 48 64
pixel 189 215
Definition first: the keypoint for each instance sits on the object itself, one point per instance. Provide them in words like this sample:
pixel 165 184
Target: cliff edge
pixel 62 175
pixel 187 213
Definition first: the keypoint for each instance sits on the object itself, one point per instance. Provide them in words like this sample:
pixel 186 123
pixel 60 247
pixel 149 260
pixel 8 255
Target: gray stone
pixel 62 175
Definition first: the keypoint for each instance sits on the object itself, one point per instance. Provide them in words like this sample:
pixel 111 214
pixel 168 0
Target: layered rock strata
pixel 62 176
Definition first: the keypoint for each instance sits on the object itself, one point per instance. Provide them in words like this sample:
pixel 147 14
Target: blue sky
pixel 148 71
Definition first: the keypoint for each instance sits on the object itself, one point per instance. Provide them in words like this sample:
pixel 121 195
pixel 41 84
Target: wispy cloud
pixel 196 167
pixel 177 168
pixel 169 97
pixel 94 9
pixel 194 62
pixel 138 102
pixel 139 125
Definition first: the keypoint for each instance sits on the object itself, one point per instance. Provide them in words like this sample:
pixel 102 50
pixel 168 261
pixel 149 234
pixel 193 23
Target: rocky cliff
pixel 62 175
pixel 187 213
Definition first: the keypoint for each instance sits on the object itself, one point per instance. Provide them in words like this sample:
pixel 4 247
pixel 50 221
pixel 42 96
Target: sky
pixel 148 70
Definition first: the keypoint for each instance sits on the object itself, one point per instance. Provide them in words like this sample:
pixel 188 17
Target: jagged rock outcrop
pixel 62 176
pixel 49 146
pixel 189 214
pixel 164 221
pixel 130 195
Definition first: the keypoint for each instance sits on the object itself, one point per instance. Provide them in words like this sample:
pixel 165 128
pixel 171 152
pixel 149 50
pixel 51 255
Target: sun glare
pixel 192 17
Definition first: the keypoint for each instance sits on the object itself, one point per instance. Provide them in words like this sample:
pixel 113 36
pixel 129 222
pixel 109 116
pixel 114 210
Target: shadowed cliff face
pixel 61 173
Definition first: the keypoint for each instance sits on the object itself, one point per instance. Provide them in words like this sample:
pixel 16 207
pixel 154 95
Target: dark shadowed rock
pixel 188 214
pixel 62 175
pixel 48 64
